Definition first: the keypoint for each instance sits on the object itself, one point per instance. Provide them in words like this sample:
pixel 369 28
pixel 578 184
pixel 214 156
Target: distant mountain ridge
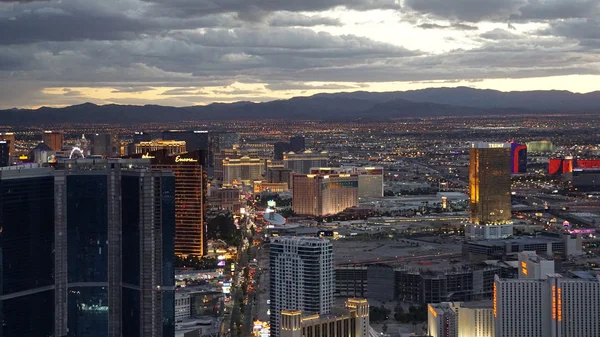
pixel 360 105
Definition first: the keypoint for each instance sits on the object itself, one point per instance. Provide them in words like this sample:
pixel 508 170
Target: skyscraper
pixel 219 141
pixel 489 184
pixel 554 306
pixel 518 158
pixel 302 277
pixel 102 145
pixel 26 246
pixel 321 194
pixel 190 199
pixel 55 140
pixel 9 137
pixel 279 149
pixel 114 223
pixel 195 140
pixel 148 253
pixel 224 140
pixel 141 136
pixel 4 150
pixel 297 144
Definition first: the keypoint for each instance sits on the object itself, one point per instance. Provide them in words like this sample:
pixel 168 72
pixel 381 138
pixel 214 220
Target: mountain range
pixel 352 106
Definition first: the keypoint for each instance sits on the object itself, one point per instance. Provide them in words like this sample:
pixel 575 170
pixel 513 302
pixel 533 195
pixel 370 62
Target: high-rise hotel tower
pixel 302 277
pixel 489 190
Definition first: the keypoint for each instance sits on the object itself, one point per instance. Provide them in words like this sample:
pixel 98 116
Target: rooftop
pixel 516 241
pixel 477 304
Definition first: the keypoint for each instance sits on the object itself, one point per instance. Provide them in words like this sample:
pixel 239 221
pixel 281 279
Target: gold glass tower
pixel 190 196
pixel 489 183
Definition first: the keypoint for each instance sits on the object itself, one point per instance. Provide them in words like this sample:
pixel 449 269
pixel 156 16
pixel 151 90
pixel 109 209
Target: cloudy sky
pixel 187 52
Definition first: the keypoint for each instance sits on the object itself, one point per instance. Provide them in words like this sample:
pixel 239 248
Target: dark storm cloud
pixel 502 10
pixel 133 46
pixel 288 19
pixel 65 21
pixel 586 31
pixel 466 10
pixel 76 20
pixel 559 9
pixel 256 9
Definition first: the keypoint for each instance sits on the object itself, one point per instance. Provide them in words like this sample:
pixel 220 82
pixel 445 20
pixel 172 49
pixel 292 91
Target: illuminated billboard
pixel 226 287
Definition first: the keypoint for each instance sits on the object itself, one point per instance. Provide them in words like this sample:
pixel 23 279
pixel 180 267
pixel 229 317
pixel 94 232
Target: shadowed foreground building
pixel 114 230
pixel 26 246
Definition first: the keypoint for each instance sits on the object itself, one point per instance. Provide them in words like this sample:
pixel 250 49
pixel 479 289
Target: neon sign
pixel 178 159
pixel 495 301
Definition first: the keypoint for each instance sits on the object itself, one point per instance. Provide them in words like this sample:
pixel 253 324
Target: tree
pixel 222 227
pixel 399 314
pixel 378 314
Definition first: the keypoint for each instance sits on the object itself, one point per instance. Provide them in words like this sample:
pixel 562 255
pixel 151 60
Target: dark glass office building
pixel 111 266
pixel 297 144
pixel 26 251
pixel 194 140
pixel 141 136
pixel 279 149
pixel 102 145
pixel 4 153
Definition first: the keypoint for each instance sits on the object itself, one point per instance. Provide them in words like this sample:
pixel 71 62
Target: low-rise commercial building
pixel 460 284
pixel 477 251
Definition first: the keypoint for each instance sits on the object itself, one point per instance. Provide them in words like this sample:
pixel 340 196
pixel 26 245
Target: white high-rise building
pixel 531 266
pixel 302 277
pixel 551 307
pixel 520 307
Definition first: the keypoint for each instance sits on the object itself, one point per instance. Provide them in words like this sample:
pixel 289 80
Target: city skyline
pixel 192 53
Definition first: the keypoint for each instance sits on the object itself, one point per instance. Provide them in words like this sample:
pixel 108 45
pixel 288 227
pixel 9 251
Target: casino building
pixel 190 198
